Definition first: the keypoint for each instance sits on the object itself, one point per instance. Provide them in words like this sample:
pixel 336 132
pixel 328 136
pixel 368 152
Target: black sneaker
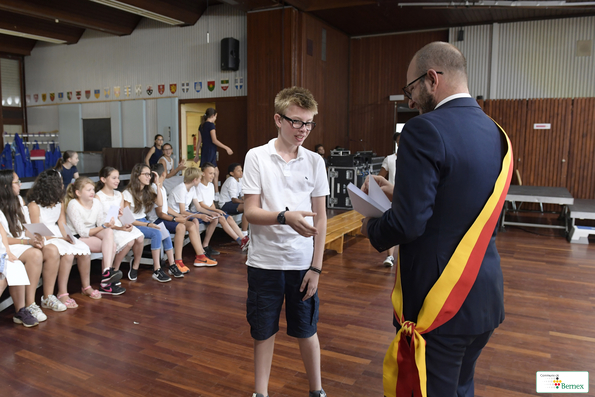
pixel 111 275
pixel 111 289
pixel 159 275
pixel 25 317
pixel 132 274
pixel 174 271
pixel 210 252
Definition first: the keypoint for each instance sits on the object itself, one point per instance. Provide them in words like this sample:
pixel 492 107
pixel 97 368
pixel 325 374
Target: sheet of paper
pixel 15 273
pixel 127 218
pixel 378 195
pixel 164 231
pixel 69 232
pixel 363 204
pixel 112 213
pixel 39 228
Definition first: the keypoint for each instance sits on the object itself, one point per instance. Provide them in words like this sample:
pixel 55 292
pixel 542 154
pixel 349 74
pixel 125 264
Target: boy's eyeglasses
pixel 297 124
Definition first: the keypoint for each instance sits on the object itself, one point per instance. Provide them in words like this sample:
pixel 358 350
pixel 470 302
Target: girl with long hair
pixel 208 138
pixel 140 197
pixel 46 206
pixel 66 166
pixel 156 152
pixel 84 216
pixel 176 223
pixel 126 236
pixel 22 245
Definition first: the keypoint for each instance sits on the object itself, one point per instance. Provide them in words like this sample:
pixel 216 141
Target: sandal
pixel 94 294
pixel 69 302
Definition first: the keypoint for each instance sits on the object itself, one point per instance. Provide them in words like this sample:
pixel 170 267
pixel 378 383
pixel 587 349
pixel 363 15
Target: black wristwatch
pixel 281 217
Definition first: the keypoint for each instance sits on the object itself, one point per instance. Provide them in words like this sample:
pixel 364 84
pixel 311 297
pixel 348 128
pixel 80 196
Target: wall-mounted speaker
pixel 230 54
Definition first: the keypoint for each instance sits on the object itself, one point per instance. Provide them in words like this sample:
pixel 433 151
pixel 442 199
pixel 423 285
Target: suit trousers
pixel 450 363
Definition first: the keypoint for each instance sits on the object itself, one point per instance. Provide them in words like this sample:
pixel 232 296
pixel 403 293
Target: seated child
pixel 231 199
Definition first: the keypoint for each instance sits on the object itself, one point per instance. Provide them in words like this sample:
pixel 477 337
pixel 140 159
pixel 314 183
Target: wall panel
pixel 581 170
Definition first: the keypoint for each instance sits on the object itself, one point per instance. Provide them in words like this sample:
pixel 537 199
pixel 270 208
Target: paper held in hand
pixel 127 218
pixel 371 205
pixel 39 228
pixel 14 272
pixel 113 212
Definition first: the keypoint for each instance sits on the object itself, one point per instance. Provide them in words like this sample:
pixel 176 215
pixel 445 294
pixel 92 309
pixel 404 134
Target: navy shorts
pixel 267 289
pixel 231 208
pixel 169 225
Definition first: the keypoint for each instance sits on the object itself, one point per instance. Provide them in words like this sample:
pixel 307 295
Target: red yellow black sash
pixel 404 369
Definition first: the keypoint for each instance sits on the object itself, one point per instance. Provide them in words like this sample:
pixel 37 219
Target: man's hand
pixel 364 229
pixel 310 284
pixel 384 185
pixel 297 221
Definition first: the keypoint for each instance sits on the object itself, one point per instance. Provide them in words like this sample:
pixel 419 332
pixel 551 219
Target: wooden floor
pixel 190 337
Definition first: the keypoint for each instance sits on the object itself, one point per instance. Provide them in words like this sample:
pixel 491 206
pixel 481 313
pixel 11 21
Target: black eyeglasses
pixel 407 92
pixel 297 124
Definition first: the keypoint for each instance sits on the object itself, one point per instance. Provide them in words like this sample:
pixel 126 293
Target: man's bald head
pixel 443 57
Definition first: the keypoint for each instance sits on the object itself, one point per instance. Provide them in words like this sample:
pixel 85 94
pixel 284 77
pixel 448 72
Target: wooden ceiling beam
pixel 16 45
pixel 319 5
pixel 82 14
pixel 40 27
pixel 187 11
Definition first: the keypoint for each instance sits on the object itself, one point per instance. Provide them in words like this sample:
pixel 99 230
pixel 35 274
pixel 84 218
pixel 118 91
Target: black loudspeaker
pixel 230 54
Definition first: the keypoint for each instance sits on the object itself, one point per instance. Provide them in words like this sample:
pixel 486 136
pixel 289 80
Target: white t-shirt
pixel 390 164
pixel 152 215
pixel 282 185
pixel 205 193
pixel 178 195
pixel 230 189
pixel 127 196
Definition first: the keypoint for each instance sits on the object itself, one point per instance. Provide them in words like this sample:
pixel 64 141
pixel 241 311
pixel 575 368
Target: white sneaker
pixel 389 261
pixel 36 312
pixel 53 303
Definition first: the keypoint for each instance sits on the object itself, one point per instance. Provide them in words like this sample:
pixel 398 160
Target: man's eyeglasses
pixel 405 89
pixel 297 124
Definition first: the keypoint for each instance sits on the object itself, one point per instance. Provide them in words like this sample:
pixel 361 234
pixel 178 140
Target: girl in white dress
pixel 23 245
pixel 84 216
pixel 126 236
pixel 45 206
pixel 174 175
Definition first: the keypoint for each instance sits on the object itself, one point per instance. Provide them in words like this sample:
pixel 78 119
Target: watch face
pixel 281 218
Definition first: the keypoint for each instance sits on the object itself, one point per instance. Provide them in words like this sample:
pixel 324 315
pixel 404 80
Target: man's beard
pixel 426 102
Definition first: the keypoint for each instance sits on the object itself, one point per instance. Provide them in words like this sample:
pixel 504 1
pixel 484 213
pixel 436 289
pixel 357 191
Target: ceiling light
pixel 32 36
pixel 139 11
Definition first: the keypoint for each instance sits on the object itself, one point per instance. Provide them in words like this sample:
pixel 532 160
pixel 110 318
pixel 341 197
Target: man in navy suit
pixel 449 160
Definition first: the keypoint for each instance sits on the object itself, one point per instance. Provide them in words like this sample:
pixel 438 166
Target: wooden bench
pixel 348 223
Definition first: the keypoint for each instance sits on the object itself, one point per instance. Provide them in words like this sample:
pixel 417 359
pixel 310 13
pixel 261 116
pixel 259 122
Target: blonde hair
pixel 78 184
pixel 298 96
pixel 190 174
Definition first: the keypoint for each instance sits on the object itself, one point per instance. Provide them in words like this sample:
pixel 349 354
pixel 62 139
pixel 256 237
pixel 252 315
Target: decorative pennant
pixel 87 94
pixel 69 95
pixel 97 93
pixel 239 83
pixel 44 97
pixel 78 95
pixel 61 96
pixel 117 91
pixel 211 85
pixel 224 85
pixel 185 86
pixel 52 96
pixel 197 86
pixel 173 87
pixel 127 91
pixel 161 89
pixel 138 90
pixel 106 92
pixel 35 97
pixel 149 90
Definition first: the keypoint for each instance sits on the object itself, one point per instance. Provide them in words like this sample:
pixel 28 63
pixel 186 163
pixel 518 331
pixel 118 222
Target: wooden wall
pixel 278 58
pixel 560 156
pixel 378 69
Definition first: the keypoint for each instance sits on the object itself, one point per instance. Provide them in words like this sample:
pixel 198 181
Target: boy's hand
pixel 297 221
pixel 310 284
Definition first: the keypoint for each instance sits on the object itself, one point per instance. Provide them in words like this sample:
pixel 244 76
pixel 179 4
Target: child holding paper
pixel 140 198
pixel 125 236
pixel 45 206
pixel 17 292
pixel 21 244
pixel 84 216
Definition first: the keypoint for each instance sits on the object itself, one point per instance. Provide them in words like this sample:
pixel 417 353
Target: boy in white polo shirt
pixel 285 187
